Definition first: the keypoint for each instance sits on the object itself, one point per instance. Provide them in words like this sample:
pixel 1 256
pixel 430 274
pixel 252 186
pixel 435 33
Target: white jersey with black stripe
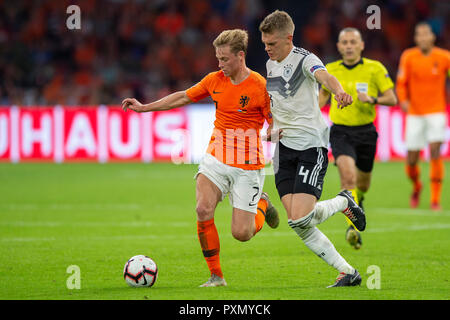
pixel 294 94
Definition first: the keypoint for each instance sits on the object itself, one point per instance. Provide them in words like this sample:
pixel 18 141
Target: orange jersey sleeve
pixel 266 109
pixel 402 77
pixel 200 90
pixel 422 80
pixel 240 114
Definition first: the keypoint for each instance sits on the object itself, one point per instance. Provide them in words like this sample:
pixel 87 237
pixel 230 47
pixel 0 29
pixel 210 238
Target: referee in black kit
pixel 353 136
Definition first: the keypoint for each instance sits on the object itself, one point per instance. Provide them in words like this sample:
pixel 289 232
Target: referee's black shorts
pixel 300 171
pixel 358 142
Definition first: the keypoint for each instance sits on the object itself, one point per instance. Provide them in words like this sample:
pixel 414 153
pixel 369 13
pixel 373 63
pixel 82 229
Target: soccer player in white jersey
pixel 300 161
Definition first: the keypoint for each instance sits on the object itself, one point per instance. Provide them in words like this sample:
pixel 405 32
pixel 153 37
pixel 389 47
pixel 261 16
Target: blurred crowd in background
pixel 150 48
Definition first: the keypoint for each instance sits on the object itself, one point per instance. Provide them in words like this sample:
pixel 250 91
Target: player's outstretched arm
pixel 329 81
pixel 402 82
pixel 324 96
pixel 174 100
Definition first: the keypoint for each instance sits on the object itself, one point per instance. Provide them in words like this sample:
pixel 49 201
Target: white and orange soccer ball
pixel 140 271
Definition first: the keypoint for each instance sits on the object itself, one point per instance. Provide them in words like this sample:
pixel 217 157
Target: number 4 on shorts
pixel 303 173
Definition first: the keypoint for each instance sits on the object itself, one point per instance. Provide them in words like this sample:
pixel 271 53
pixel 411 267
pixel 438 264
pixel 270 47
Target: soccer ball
pixel 140 271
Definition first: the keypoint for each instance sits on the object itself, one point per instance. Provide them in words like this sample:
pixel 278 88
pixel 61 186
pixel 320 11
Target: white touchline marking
pixel 85 206
pixel 125 224
pixel 194 236
pixel 436 226
pixel 408 211
pixel 31 239
pixel 71 206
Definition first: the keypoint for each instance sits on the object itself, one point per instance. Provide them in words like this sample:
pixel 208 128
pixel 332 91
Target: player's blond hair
pixel 277 21
pixel 237 39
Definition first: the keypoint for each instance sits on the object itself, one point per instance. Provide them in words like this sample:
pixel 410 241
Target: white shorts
pixel 243 186
pixel 422 130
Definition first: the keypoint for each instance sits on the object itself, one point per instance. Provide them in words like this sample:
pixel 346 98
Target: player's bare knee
pixel 242 235
pixel 300 210
pixel 204 211
pixel 298 214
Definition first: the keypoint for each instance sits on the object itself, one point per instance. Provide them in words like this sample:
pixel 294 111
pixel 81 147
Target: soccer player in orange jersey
pixel 421 82
pixel 234 162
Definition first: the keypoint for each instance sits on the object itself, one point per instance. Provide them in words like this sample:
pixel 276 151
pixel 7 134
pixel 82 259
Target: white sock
pixel 318 243
pixel 321 212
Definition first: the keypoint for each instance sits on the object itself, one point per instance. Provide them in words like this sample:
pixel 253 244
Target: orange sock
pixel 260 215
pixel 413 172
pixel 436 175
pixel 209 241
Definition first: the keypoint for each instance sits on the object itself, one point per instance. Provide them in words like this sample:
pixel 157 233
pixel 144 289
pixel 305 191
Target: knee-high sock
pixel 318 243
pixel 413 172
pixel 260 216
pixel 321 212
pixel 436 176
pixel 209 242
pixel 359 195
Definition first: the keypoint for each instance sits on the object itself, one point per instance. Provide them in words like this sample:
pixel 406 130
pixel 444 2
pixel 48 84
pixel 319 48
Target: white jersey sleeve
pixel 311 64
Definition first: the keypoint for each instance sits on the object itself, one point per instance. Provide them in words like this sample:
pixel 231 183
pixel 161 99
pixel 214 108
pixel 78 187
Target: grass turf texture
pixel 96 216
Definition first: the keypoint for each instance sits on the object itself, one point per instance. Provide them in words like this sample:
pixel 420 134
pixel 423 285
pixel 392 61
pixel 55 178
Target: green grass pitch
pixel 96 216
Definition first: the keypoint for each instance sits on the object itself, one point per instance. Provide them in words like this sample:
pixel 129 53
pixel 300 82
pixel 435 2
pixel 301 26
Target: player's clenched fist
pixel 343 99
pixel 132 104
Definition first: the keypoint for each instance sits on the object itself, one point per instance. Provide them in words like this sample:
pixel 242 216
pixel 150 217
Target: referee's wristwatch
pixel 375 100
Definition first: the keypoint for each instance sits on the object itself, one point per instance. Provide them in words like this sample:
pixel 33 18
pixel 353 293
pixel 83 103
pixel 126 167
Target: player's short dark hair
pixel 424 24
pixel 277 21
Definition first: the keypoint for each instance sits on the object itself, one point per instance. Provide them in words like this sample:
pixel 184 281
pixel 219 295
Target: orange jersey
pixel 422 80
pixel 240 113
